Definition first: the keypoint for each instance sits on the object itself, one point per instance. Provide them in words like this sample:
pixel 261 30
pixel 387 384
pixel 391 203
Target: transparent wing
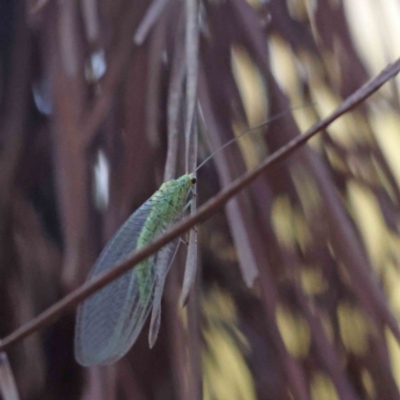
pixel 164 260
pixel 109 321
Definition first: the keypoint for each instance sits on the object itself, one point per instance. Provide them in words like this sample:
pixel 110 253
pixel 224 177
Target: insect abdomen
pixel 165 210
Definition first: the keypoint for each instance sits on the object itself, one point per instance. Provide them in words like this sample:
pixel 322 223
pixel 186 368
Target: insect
pixel 109 321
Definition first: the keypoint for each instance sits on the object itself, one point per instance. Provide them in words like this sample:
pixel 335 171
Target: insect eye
pixel 193 180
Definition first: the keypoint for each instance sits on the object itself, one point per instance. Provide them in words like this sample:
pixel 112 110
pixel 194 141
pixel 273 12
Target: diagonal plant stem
pixel 152 15
pixel 203 213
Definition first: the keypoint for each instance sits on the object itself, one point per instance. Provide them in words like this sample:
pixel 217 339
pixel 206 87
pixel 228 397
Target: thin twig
pixel 191 259
pixel 174 105
pixel 191 135
pixel 191 49
pixel 149 20
pixel 204 212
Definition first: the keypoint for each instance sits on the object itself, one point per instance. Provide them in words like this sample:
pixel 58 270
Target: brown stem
pixel 204 212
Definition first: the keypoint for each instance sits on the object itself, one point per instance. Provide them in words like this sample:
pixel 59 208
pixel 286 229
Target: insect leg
pixel 188 204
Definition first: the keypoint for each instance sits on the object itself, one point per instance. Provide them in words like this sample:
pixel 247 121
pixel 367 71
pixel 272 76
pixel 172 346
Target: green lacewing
pixel 109 321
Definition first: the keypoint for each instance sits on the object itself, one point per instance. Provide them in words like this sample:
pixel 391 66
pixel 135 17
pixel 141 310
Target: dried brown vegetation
pixel 95 89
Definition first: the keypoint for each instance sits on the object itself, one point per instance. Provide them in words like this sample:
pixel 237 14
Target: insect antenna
pixel 266 123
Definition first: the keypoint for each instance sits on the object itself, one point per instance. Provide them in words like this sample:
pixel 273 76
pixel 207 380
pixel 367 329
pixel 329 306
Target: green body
pixel 167 205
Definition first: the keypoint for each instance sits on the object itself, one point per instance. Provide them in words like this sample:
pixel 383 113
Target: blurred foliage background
pixel 90 92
